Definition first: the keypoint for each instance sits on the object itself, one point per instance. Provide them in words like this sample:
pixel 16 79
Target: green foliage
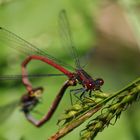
pixel 37 22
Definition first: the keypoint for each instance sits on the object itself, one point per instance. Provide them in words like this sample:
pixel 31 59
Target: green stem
pixel 68 127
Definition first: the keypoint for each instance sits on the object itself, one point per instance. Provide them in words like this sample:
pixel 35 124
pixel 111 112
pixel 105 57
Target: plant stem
pixel 68 127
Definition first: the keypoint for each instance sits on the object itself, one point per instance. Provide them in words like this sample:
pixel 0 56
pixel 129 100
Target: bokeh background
pixel 106 34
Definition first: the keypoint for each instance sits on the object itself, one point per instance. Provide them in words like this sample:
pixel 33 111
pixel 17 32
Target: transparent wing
pixel 7 110
pixel 13 41
pixel 19 77
pixel 66 35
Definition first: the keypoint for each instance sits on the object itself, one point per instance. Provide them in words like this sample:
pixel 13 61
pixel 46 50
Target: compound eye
pixel 100 81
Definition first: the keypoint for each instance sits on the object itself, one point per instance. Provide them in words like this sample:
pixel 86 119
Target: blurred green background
pixel 106 34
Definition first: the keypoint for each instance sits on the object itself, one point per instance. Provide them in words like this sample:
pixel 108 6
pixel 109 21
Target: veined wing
pixel 7 110
pixel 19 77
pixel 13 41
pixel 67 36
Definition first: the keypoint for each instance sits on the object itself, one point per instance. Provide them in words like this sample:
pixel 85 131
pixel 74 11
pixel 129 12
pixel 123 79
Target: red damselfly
pixel 30 52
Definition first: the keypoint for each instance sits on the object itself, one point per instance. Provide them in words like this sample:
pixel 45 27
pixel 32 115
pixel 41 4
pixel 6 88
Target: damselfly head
pixel 98 83
pixel 37 92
